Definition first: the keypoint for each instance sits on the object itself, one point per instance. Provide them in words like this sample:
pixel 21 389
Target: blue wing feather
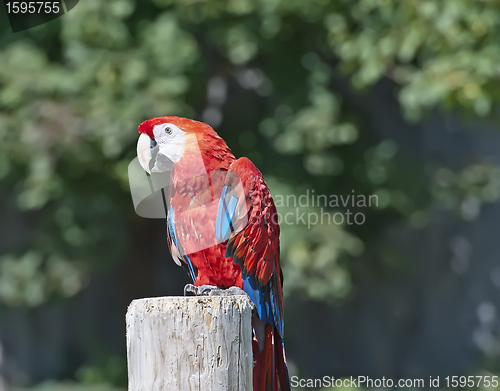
pixel 257 294
pixel 265 297
pixel 225 215
pixel 175 242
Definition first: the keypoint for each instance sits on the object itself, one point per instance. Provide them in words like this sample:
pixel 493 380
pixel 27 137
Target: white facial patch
pixel 170 140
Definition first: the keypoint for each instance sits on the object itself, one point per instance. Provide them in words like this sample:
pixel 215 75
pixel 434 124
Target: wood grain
pixel 190 343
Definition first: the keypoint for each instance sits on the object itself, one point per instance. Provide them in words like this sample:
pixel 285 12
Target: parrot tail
pixel 270 372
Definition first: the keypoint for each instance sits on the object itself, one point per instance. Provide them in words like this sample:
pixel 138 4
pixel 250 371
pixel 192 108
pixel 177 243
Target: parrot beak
pixel 144 153
pixel 148 152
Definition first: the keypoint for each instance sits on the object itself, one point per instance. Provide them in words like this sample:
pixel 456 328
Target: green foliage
pixel 466 190
pixel 73 91
pixel 113 371
pixel 29 280
pixel 438 51
pixel 69 386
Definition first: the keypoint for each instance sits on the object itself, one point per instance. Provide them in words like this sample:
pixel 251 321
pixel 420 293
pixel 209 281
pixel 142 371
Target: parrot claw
pixel 212 290
pixel 190 288
pixel 203 290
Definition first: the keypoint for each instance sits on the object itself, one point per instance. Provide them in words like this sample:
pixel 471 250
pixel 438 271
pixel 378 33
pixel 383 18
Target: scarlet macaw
pixel 222 228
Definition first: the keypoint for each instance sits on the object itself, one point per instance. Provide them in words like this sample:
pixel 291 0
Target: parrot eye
pixel 168 130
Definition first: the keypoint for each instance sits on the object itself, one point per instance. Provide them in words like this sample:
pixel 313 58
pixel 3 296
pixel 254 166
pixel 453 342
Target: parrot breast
pixel 195 202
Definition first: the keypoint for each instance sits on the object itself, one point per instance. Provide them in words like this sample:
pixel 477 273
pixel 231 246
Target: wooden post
pixel 190 343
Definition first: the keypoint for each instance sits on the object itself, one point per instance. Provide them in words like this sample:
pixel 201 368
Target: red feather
pixel 255 246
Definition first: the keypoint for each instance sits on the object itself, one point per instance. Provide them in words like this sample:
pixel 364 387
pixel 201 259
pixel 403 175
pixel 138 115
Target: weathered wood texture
pixel 190 343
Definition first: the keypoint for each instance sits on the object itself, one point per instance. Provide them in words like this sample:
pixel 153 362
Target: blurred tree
pixel 266 75
pixel 74 90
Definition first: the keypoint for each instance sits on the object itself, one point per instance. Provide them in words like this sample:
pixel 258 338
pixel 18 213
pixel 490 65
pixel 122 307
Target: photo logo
pixel 24 15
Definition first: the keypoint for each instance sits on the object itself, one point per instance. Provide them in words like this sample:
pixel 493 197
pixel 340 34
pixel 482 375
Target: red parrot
pixel 222 228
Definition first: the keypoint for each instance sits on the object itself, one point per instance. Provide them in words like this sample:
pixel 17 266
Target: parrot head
pixel 165 142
